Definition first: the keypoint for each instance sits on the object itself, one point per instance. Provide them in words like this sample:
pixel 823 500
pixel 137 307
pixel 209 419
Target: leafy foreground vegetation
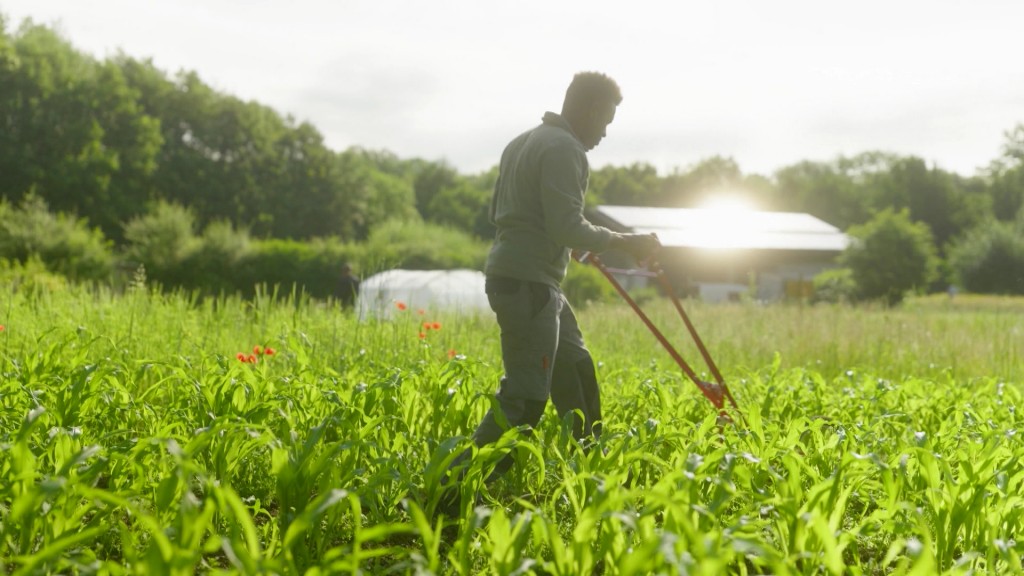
pixel 144 433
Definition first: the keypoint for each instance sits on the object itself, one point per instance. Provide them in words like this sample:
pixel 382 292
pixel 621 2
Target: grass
pixel 923 338
pixel 877 441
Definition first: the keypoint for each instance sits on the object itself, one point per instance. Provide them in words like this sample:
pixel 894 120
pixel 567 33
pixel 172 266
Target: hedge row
pixel 165 246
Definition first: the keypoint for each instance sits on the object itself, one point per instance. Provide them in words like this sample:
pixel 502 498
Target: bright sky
pixel 766 83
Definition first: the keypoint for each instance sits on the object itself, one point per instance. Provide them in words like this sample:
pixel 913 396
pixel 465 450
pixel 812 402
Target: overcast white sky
pixel 768 83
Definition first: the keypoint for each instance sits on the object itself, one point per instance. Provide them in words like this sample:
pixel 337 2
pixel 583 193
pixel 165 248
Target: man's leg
pixel 574 381
pixel 517 412
pixel 528 317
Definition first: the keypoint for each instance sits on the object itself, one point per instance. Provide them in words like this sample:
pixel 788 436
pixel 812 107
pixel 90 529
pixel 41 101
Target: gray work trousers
pixel 544 357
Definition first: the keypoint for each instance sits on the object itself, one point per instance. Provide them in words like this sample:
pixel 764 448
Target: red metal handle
pixel 716 394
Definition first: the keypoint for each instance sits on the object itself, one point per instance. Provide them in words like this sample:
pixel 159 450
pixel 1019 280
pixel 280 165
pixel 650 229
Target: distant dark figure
pixel 348 287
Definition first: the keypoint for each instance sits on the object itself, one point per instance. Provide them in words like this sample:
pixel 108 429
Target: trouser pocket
pixel 539 294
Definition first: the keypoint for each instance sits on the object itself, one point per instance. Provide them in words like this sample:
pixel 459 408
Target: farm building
pixel 722 254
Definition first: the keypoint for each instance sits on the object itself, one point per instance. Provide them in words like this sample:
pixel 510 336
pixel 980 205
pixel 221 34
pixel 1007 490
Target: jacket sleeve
pixel 563 182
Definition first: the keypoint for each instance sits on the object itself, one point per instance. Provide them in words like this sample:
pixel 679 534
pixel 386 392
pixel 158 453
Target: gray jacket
pixel 538 205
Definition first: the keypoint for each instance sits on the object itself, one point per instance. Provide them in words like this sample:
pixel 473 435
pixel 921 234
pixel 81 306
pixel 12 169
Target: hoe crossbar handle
pixel 715 393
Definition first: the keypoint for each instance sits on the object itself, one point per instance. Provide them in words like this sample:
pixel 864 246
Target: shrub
pixel 63 244
pixel 585 284
pixel 162 240
pixel 313 267
pixel 213 262
pixel 30 277
pixel 417 245
pixel 890 256
pixel 990 259
pixel 836 285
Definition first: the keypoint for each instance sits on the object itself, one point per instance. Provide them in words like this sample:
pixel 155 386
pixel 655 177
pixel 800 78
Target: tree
pixel 701 182
pixel 938 198
pixel 1006 189
pixel 1006 177
pixel 823 190
pixel 388 197
pixel 362 198
pixel 459 206
pixel 241 161
pixel 634 185
pixel 72 131
pixel 429 180
pixel 890 256
pixel 1013 147
pixel 482 225
pixel 443 196
pixel 990 259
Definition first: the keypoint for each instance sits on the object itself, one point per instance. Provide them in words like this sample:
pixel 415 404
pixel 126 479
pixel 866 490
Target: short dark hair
pixel 587 88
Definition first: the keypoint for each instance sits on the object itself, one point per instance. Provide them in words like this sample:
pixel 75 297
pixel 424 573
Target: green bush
pixel 836 285
pixel 417 245
pixel 63 244
pixel 211 266
pixel 313 267
pixel 30 277
pixel 585 284
pixel 990 259
pixel 890 256
pixel 162 240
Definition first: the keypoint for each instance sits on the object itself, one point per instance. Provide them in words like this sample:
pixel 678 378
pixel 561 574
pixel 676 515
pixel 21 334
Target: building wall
pixel 718 275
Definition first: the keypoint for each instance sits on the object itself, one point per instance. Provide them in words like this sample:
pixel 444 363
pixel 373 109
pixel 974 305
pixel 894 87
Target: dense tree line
pixel 113 143
pixel 107 139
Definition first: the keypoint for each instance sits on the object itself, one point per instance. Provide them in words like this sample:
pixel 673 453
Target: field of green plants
pixel 166 434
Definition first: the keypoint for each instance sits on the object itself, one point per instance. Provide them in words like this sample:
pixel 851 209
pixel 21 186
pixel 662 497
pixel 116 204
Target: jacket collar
pixel 557 120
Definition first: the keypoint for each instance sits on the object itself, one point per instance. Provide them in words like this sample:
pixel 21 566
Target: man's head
pixel 589 106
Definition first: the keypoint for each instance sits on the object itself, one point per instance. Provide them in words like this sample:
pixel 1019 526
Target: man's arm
pixel 563 181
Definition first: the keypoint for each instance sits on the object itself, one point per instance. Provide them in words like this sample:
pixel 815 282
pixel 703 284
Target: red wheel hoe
pixel 716 392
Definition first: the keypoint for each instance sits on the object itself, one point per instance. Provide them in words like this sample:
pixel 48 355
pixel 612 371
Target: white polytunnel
pixel 451 290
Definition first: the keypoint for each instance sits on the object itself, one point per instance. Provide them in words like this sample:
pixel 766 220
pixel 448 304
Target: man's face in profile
pixel 595 127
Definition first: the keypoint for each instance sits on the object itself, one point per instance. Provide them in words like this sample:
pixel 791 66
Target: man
pixel 348 287
pixel 537 208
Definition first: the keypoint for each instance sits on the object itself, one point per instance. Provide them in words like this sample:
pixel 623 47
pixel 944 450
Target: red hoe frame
pixel 717 393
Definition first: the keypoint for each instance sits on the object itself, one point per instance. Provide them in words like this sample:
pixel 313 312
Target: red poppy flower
pixel 451 353
pixel 421 311
pixel 257 350
pixel 252 358
pixel 269 351
pixel 1 327
pixel 427 326
pixel 436 326
pixel 423 335
pixel 400 305
pixel 241 357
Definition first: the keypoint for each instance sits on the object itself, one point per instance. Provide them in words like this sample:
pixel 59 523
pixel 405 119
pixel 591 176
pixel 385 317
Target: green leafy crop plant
pixel 148 433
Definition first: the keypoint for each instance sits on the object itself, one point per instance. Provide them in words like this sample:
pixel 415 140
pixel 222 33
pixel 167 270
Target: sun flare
pixel 728 203
pixel 727 223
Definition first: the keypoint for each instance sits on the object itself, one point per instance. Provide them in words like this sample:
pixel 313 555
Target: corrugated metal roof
pixel 729 229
